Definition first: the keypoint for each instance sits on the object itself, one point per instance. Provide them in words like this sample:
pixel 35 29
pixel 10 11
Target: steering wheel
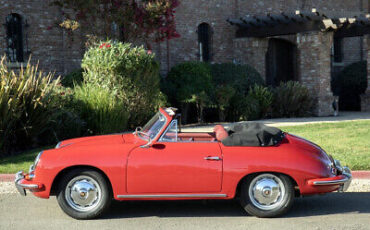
pixel 144 134
pixel 137 130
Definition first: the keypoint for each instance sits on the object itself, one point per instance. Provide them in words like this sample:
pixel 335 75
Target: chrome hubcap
pixel 267 191
pixel 83 193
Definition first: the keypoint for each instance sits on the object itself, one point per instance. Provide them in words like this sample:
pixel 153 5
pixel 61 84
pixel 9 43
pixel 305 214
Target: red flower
pixel 150 52
pixel 104 45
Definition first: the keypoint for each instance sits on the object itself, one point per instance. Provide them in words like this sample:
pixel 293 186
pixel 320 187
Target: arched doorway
pixel 281 62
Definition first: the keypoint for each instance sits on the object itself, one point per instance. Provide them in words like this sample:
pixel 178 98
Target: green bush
pixel 291 99
pixel 102 110
pixel 349 84
pixel 73 78
pixel 189 82
pixel 65 122
pixel 130 71
pixel 258 103
pixel 26 106
pixel 239 78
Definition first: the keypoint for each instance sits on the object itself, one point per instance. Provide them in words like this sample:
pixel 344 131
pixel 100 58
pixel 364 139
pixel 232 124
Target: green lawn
pixel 348 142
pixel 19 162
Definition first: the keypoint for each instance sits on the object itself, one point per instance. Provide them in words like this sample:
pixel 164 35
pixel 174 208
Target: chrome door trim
pixel 172 196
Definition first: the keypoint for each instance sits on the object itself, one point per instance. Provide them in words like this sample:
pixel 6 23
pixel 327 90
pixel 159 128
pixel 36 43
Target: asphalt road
pixel 331 211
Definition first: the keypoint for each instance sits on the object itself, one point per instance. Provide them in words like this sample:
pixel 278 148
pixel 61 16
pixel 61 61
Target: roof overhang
pixel 298 22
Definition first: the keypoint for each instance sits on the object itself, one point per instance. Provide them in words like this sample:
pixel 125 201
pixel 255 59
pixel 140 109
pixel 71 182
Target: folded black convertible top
pixel 252 134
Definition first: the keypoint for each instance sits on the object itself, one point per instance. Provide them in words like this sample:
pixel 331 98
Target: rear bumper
pixel 22 184
pixel 343 180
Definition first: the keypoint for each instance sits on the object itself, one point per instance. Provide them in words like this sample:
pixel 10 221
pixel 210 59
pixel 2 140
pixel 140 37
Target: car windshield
pixel 153 127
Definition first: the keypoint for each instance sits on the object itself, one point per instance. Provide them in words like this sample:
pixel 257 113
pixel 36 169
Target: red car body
pixel 199 168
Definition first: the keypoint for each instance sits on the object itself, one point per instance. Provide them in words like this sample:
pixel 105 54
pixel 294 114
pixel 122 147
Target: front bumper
pixel 22 184
pixel 343 179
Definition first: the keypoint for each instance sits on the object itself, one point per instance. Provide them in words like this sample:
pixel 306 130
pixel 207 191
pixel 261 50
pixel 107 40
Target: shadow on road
pixel 333 203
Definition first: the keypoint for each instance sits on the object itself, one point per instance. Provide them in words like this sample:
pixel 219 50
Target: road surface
pixel 332 211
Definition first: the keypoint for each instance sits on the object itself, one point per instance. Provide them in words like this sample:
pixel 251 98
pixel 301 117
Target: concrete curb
pixel 356 175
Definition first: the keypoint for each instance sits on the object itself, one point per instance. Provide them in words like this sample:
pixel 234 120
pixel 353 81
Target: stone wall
pixel 251 51
pixel 47 43
pixel 314 67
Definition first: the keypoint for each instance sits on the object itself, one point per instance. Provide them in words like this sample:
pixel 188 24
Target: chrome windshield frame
pixel 149 140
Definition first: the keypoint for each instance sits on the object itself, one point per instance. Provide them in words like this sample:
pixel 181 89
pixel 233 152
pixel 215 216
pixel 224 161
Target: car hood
pixel 121 138
pixel 93 140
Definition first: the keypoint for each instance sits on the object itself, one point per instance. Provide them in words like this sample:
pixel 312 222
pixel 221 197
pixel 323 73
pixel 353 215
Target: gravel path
pixel 357 185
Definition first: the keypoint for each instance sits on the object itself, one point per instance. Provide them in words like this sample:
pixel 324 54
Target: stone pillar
pixel 251 51
pixel 314 64
pixel 365 98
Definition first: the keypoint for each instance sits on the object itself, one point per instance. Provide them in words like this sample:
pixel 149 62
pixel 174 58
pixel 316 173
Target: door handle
pixel 212 158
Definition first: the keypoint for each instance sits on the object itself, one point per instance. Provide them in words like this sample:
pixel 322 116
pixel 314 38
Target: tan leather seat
pixel 220 132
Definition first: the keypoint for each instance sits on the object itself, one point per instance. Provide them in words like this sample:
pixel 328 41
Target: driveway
pixel 332 211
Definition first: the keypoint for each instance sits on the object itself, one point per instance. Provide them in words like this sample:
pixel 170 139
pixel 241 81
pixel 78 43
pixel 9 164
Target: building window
pixel 338 50
pixel 14 38
pixel 204 42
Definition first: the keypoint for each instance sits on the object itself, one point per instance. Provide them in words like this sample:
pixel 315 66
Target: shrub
pixel 130 71
pixel 73 78
pixel 65 122
pixel 238 77
pixel 189 82
pixel 291 99
pixel 258 103
pixel 26 105
pixel 349 84
pixel 101 109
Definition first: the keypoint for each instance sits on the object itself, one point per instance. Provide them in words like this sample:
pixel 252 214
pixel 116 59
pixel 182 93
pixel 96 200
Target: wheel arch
pixel 64 171
pixel 253 174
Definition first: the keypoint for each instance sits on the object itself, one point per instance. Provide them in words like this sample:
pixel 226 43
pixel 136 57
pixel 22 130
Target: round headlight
pixel 37 159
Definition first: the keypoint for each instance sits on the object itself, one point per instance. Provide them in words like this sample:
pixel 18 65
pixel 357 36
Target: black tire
pixel 102 194
pixel 251 204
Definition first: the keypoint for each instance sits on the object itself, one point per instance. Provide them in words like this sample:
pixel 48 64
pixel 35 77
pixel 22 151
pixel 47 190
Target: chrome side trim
pixel 172 196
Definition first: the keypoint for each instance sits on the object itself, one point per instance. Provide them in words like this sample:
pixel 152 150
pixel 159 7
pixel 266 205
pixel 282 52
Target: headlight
pixel 58 145
pixel 32 168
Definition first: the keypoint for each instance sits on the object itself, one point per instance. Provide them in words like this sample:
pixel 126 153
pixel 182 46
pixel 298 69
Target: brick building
pixel 283 39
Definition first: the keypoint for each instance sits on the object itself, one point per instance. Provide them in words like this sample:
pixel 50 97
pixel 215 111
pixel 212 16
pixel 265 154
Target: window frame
pixel 14 30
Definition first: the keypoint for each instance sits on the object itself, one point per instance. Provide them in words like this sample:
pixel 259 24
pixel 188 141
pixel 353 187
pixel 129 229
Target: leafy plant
pixel 189 82
pixel 239 78
pixel 26 98
pixel 73 78
pixel 131 72
pixel 259 101
pixel 291 99
pixel 100 107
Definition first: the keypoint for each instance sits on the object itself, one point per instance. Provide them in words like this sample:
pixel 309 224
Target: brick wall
pixel 49 46
pixel 55 51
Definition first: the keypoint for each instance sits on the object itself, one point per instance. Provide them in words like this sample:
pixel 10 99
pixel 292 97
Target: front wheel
pixel 84 194
pixel 267 195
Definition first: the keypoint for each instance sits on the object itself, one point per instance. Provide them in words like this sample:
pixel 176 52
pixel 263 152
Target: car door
pixel 175 167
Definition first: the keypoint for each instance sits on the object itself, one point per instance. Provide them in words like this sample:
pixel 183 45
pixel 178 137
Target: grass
pixel 19 162
pixel 348 142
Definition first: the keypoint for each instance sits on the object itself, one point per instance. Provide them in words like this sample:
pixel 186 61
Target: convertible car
pixel 261 166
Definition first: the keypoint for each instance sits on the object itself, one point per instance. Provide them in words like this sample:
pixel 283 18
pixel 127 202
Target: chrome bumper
pixel 19 176
pixel 344 181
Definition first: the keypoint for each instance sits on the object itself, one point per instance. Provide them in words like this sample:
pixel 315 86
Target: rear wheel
pixel 267 195
pixel 84 194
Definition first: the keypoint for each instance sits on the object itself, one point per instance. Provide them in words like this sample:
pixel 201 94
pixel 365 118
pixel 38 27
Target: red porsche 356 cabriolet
pixel 262 166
